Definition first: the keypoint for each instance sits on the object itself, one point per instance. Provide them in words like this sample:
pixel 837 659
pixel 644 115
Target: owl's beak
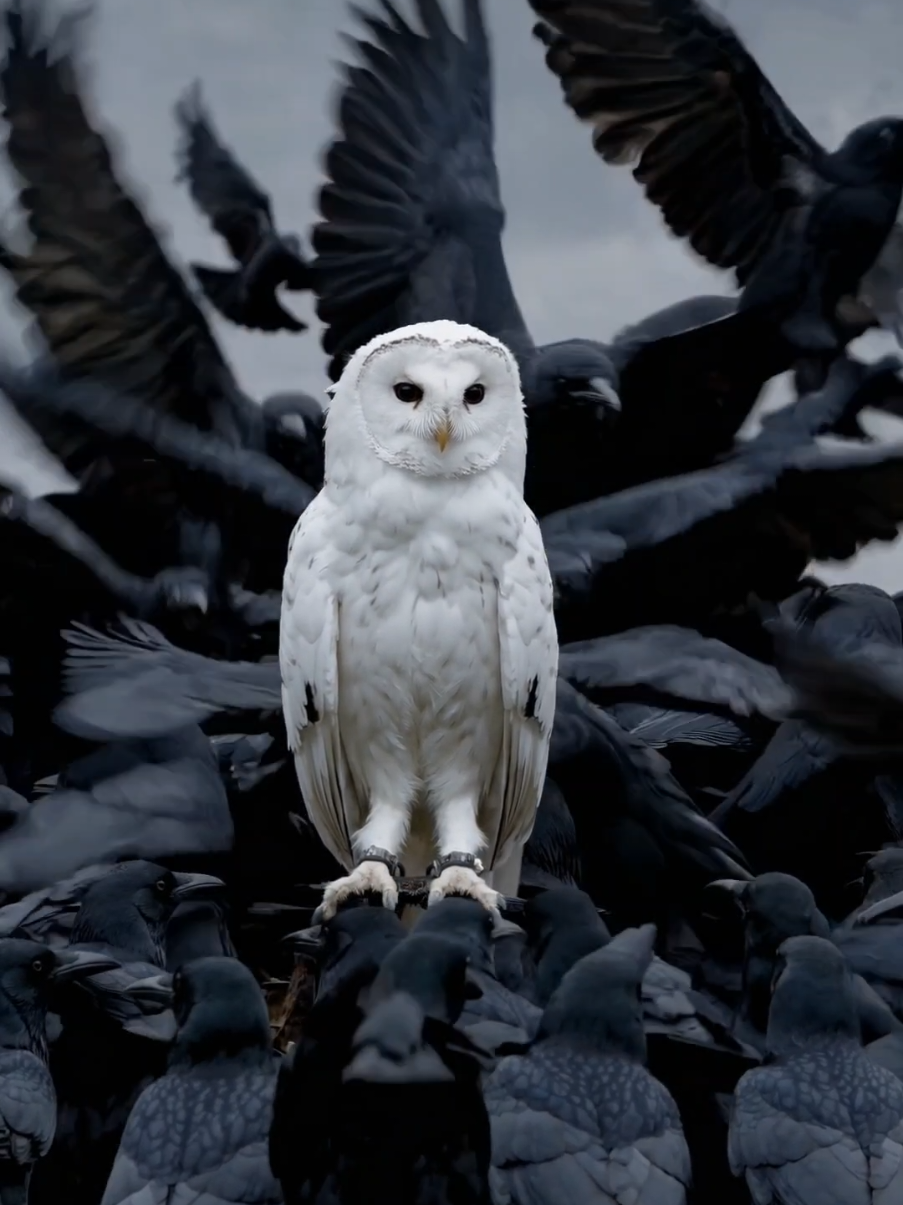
pixel 443 433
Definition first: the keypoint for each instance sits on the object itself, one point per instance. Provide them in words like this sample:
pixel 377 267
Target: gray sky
pixel 587 254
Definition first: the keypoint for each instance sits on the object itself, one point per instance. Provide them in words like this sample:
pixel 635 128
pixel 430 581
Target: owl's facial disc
pixel 440 410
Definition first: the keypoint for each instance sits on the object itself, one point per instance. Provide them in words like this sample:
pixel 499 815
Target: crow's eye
pixel 474 394
pixel 405 391
pixel 39 966
pixel 162 886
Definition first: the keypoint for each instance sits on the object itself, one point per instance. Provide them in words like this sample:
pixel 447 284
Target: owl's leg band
pixel 454 858
pixel 374 854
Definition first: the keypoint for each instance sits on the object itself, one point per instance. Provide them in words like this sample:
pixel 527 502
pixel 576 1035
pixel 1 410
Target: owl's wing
pixel 308 640
pixel 528 648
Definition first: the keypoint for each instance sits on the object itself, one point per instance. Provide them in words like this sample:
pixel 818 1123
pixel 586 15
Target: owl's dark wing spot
pixel 310 707
pixel 530 707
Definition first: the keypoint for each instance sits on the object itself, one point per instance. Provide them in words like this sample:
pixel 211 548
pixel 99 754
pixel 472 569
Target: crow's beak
pixel 79 964
pixel 601 392
pixel 196 886
pixel 155 990
pixel 306 941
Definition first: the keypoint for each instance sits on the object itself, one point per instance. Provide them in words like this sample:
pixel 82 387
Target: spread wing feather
pixel 668 86
pixel 411 216
pixel 222 188
pixel 105 296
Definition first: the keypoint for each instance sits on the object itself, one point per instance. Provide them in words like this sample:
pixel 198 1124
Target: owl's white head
pixel 438 399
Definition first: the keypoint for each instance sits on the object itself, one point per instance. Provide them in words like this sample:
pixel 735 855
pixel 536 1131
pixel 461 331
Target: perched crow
pixel 201 1130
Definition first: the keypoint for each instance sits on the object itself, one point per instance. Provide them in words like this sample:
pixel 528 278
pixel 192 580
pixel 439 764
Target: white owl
pixel 418 647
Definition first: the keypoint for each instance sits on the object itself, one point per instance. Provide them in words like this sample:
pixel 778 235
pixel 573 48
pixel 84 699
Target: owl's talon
pixel 461 880
pixel 367 878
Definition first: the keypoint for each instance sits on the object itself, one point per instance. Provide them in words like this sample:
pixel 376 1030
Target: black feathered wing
pixel 106 299
pixel 27 1107
pixel 676 662
pixel 139 685
pixel 223 1160
pixel 222 188
pixel 560 1146
pixel 796 1143
pixel 650 794
pixel 668 85
pixel 412 216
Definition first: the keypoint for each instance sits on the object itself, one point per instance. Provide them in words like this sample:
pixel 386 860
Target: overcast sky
pixel 585 251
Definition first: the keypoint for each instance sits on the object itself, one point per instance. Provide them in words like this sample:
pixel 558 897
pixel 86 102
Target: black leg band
pixel 468 861
pixel 375 854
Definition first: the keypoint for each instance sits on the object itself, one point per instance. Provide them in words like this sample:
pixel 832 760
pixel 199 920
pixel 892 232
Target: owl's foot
pixel 458 874
pixel 369 877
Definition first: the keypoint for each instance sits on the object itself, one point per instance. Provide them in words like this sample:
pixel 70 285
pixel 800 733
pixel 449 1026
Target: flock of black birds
pixel 698 994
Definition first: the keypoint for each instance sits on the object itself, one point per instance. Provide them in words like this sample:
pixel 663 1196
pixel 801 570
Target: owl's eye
pixel 474 394
pixel 405 391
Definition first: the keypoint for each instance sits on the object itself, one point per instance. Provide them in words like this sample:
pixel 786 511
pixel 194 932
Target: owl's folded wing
pixel 528 646
pixel 308 640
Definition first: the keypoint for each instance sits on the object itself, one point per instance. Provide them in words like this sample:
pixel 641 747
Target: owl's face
pixel 441 410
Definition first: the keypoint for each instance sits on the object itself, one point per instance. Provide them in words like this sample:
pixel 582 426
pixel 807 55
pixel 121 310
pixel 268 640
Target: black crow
pixel 411 228
pixel 577 1116
pixel 411 1112
pixel 29 975
pixel 202 1129
pixel 109 1049
pixel 497 1014
pixel 669 86
pixel 241 213
pixel 821 1122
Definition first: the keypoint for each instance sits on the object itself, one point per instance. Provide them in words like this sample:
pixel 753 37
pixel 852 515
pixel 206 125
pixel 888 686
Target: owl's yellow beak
pixel 443 434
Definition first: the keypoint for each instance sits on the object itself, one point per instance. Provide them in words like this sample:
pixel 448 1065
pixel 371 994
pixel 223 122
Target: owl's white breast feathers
pixel 441 605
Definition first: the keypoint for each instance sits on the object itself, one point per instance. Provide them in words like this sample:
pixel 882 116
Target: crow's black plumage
pixel 109 1050
pixel 409 1060
pixel 349 951
pixel 155 798
pixel 749 525
pixel 669 86
pixel 821 1122
pixel 497 1010
pixel 410 230
pixel 202 1128
pixel 30 974
pixel 241 213
pixel 775 908
pixel 646 848
pixel 578 1115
